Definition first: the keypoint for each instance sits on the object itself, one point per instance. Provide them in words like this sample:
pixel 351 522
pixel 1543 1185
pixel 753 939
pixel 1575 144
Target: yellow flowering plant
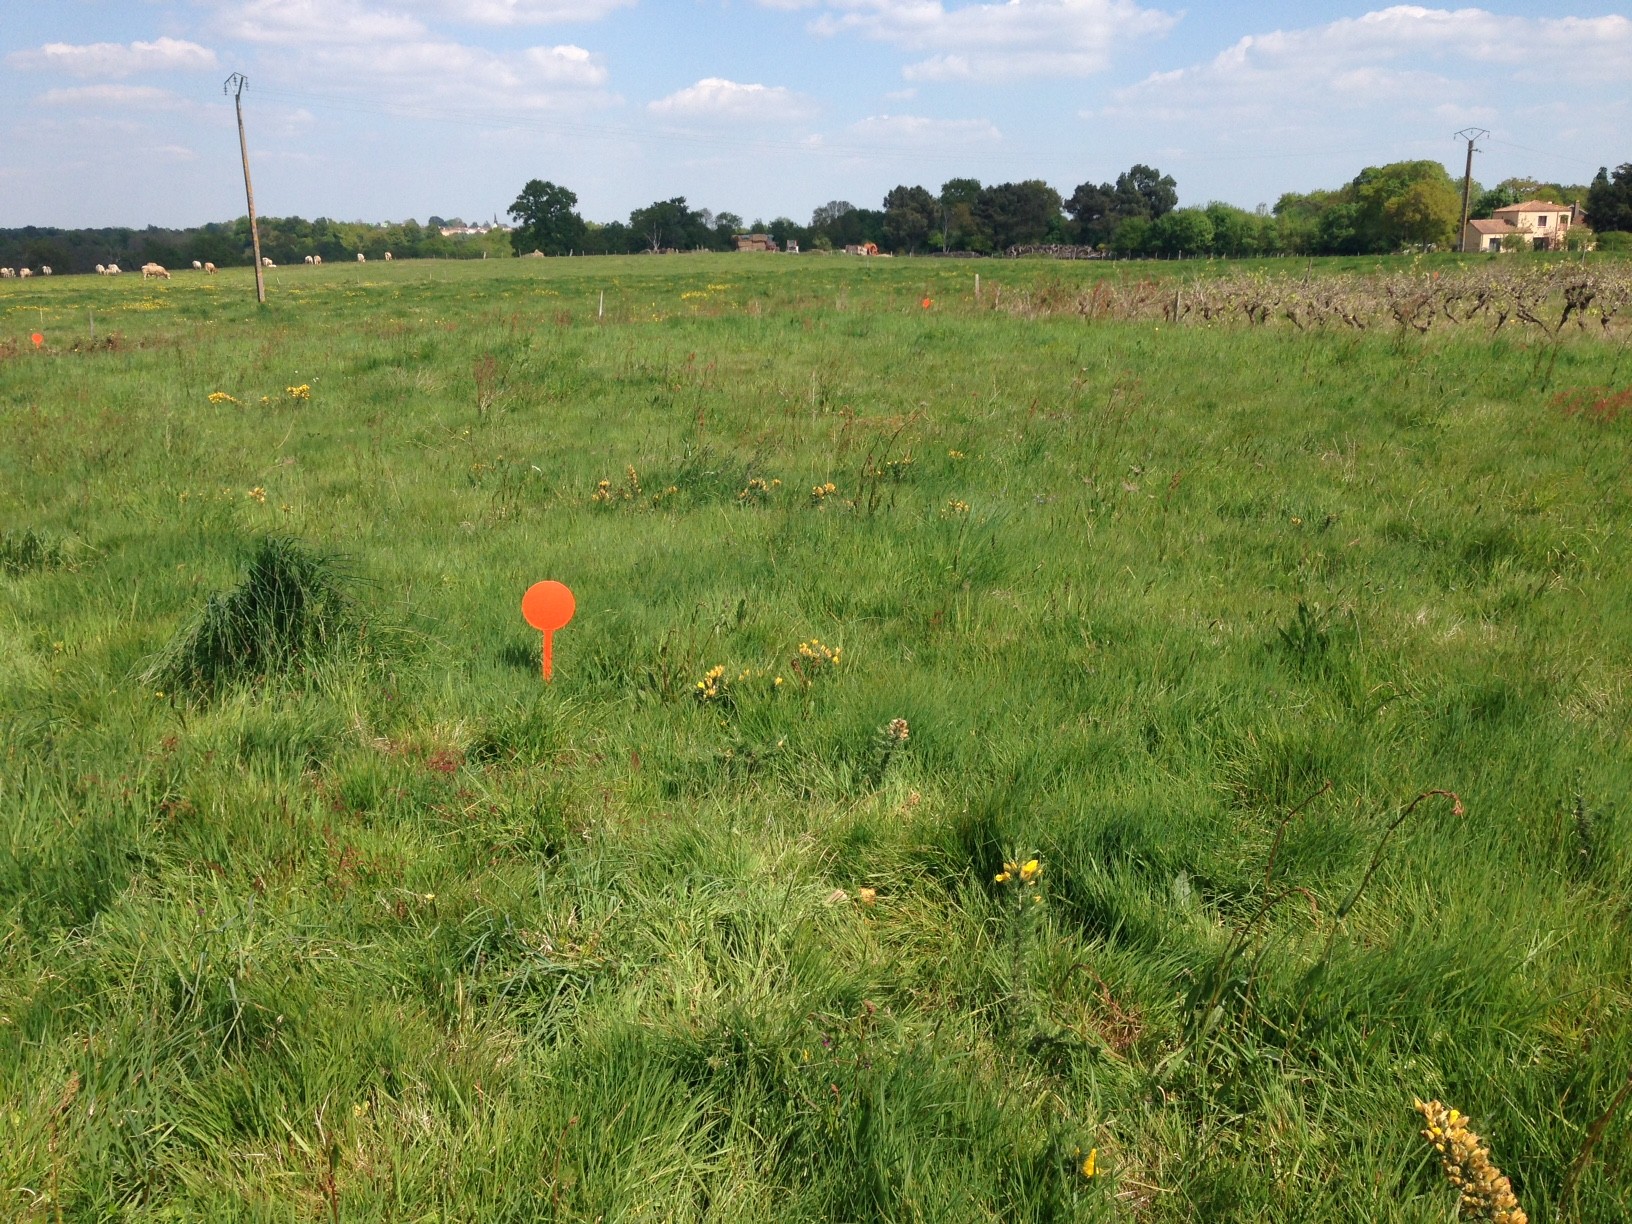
pixel 1486 1194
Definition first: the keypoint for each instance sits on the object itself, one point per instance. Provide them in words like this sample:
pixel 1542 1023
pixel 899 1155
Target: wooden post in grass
pixel 235 85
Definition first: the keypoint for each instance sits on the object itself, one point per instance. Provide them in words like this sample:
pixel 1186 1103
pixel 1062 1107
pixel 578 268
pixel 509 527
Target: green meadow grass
pixel 373 925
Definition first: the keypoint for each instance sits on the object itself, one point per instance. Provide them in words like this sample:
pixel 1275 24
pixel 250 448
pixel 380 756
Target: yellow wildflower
pixel 1090 1163
pixel 1486 1194
pixel 1030 871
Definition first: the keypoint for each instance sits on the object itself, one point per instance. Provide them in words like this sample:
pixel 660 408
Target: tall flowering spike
pixel 1486 1194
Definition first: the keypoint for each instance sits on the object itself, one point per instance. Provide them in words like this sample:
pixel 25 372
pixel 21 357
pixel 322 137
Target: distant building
pixel 1541 224
pixel 469 231
pixel 755 242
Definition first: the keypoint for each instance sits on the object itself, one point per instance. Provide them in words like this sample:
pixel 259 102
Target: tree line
pixel 1383 209
pixel 284 240
pixel 1410 205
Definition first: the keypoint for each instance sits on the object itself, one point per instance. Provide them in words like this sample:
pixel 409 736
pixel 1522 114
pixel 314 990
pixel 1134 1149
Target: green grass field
pixel 317 904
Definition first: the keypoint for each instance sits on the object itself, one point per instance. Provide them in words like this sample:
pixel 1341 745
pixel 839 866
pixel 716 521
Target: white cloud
pixel 918 131
pixel 521 12
pixel 147 97
pixel 117 59
pixel 1385 86
pixel 1401 58
pixel 356 45
pixel 168 152
pixel 308 23
pixel 717 98
pixel 993 41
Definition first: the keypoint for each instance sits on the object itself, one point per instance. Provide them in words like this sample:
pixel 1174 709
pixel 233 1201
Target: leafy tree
pixel 826 214
pixel 1144 192
pixel 1018 213
pixel 1140 191
pixel 1609 200
pixel 545 220
pixel 785 230
pixel 1485 203
pixel 1184 231
pixel 1238 233
pixel 1131 237
pixel 909 215
pixel 1424 214
pixel 669 224
pixel 1093 208
pixel 1406 203
pixel 726 227
pixel 959 227
pixel 1338 231
pixel 612 238
pixel 1298 219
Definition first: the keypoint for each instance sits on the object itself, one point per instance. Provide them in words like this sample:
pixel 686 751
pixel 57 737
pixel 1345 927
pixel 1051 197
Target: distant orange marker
pixel 38 339
pixel 548 606
pixel 928 302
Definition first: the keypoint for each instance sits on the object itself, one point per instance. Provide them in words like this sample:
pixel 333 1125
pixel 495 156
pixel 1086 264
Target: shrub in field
pixel 288 609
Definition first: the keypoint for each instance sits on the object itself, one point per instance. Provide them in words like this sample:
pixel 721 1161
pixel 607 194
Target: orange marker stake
pixel 548 606
pixel 38 339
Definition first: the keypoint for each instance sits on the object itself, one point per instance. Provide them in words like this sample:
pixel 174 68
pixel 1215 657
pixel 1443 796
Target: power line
pixel 497 120
pixel 1558 157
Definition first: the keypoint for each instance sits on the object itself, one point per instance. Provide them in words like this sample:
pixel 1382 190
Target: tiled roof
pixel 1493 227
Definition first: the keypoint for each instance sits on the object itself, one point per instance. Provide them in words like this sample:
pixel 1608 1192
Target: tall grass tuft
pixel 25 549
pixel 289 609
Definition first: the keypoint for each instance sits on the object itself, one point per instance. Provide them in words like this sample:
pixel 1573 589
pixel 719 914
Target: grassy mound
pixel 288 611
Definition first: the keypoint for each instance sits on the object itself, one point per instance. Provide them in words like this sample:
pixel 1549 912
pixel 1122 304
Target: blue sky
pixel 385 109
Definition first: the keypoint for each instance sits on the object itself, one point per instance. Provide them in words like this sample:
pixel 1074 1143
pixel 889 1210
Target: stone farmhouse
pixel 1541 224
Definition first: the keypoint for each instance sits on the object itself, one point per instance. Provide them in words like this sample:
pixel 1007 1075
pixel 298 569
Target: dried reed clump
pixel 1486 1194
pixel 287 610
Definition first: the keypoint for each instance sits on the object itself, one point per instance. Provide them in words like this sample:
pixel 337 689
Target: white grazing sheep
pixel 308 259
pixel 317 259
pixel 388 257
pixel 154 271
pixel 45 269
pixel 209 268
pixel 197 266
pixel 113 269
pixel 361 258
pixel 24 273
pixel 267 263
pixel 7 273
pixel 101 269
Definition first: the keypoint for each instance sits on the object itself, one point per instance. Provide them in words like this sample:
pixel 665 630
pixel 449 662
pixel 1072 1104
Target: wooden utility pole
pixel 1470 135
pixel 235 85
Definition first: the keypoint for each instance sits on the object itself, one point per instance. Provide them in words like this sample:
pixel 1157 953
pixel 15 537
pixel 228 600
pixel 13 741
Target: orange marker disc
pixel 38 339
pixel 548 606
